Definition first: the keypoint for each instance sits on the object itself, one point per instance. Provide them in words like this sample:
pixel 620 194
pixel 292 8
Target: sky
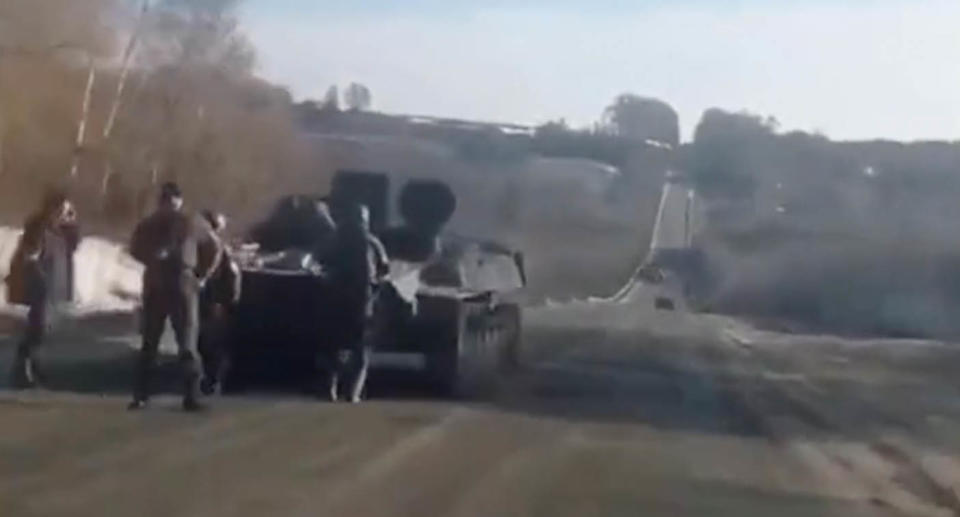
pixel 850 69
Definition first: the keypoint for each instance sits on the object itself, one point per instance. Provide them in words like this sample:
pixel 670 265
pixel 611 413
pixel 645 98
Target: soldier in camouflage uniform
pixel 179 252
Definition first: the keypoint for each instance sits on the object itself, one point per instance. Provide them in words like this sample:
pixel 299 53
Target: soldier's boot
pixel 327 376
pixel 209 386
pixel 140 396
pixel 207 381
pixel 19 376
pixel 39 374
pixel 141 389
pixel 212 384
pixel 333 386
pixel 23 375
pixel 141 384
pixel 223 373
pixel 192 373
pixel 191 394
pixel 356 391
pixel 359 365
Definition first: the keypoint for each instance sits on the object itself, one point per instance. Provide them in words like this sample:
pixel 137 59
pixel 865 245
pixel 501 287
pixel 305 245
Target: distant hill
pixel 476 140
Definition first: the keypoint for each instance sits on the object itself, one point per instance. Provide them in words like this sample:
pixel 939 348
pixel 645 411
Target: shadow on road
pixel 593 375
pixel 596 375
pixel 91 355
pixel 622 377
pixel 97 355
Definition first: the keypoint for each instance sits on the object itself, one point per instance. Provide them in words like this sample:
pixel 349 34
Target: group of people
pixel 192 280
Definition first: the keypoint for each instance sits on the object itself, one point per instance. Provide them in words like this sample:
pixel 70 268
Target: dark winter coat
pixel 42 267
pixel 171 243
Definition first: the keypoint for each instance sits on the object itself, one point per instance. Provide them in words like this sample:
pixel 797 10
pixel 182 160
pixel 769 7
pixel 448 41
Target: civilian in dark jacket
pixel 179 252
pixel 41 277
pixel 358 266
pixel 217 301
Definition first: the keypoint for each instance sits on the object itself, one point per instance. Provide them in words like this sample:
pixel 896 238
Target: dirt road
pixel 620 411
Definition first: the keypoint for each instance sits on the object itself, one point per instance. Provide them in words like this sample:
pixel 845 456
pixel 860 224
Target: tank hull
pixel 457 342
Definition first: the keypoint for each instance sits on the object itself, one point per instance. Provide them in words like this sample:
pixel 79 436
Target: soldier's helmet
pixel 54 199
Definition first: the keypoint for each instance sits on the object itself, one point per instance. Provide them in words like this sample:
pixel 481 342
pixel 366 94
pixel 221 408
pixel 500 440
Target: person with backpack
pixel 179 252
pixel 217 300
pixel 41 277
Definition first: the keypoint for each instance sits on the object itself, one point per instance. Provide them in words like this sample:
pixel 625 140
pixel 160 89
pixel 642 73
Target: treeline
pixel 631 124
pixel 877 189
pixel 849 236
pixel 162 93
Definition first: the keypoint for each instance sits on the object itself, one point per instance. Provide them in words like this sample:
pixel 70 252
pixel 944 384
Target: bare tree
pixel 197 33
pixel 46 49
pixel 643 118
pixel 331 100
pixel 357 97
pixel 201 117
pixel 39 28
pixel 185 105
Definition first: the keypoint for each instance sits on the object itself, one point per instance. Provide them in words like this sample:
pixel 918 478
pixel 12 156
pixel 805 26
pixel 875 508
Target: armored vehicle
pixel 450 308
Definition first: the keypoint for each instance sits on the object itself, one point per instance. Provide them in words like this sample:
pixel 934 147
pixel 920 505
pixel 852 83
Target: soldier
pixel 358 266
pixel 216 302
pixel 41 277
pixel 179 252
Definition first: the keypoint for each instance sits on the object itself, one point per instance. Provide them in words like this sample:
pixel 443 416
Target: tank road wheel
pixel 465 364
pixel 509 323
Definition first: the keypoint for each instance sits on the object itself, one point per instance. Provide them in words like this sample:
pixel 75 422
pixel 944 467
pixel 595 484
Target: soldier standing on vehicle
pixel 41 277
pixel 217 300
pixel 179 252
pixel 358 267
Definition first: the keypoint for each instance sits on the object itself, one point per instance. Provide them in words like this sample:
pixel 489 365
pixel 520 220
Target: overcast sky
pixel 852 69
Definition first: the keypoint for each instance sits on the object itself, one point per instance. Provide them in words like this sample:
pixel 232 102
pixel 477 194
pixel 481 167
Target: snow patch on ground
pixel 107 278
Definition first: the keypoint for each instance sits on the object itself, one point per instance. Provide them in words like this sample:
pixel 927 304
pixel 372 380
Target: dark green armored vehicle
pixel 451 309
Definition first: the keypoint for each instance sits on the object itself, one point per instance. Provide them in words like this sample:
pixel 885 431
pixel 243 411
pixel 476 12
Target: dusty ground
pixel 620 411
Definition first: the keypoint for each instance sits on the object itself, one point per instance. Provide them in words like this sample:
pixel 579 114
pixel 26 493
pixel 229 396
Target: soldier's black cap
pixel 170 190
pixel 54 197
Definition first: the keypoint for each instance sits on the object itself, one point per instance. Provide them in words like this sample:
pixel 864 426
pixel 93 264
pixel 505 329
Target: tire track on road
pixel 142 436
pixel 351 485
pixel 803 425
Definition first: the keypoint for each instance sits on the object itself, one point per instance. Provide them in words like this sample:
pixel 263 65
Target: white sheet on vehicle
pixel 405 277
